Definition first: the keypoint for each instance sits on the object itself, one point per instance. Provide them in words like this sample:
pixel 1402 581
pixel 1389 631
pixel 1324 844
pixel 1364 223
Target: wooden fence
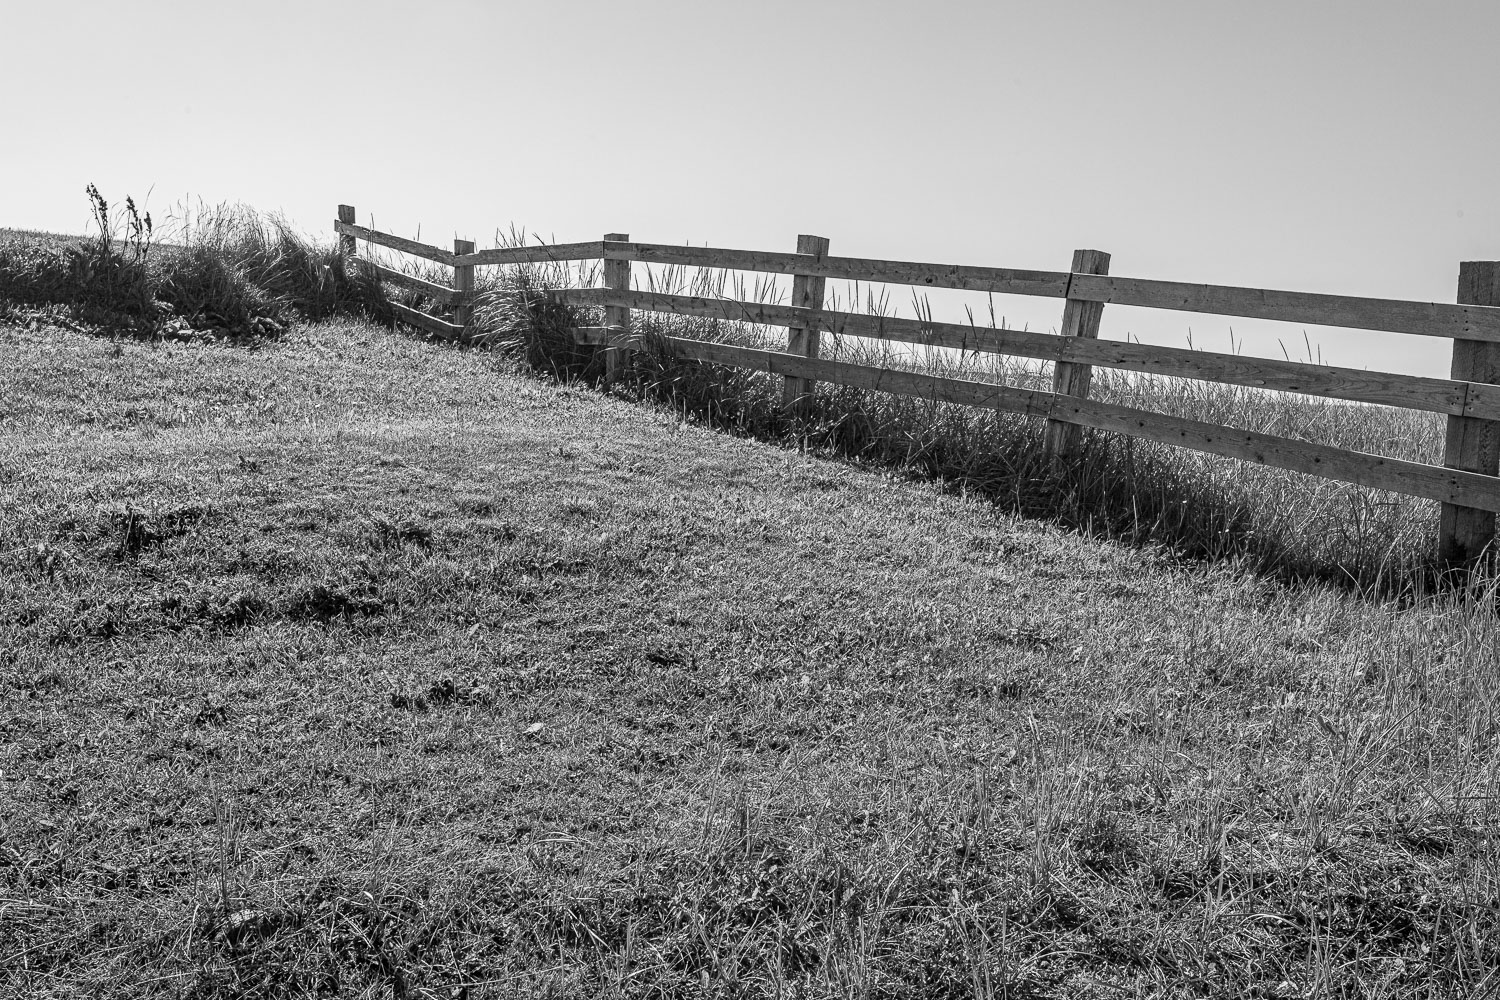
pixel 1467 483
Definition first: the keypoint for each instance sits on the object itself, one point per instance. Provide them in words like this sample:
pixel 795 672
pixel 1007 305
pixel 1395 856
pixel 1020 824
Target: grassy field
pixel 340 664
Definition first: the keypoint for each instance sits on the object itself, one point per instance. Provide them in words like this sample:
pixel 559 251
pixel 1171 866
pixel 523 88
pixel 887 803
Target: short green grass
pixel 348 665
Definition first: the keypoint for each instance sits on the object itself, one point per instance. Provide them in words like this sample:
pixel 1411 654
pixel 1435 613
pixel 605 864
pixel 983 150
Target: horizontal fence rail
pixel 1432 319
pixel 1413 478
pixel 394 242
pixel 1357 385
pixel 1467 484
pixel 893 272
pixel 535 255
pixel 432 324
pixel 432 289
pixel 1428 319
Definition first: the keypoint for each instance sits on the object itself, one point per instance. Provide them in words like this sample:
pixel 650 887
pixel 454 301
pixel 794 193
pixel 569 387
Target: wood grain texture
pixel 463 284
pixel 984 279
pixel 394 242
pixel 1071 378
pixel 1429 319
pixel 593 250
pixel 440 293
pixel 802 336
pixel 616 279
pixel 1412 478
pixel 1472 444
pixel 1410 391
pixel 1481 399
pixel 431 324
pixel 347 248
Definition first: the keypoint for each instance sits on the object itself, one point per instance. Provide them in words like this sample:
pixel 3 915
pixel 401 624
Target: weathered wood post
pixel 463 283
pixel 807 293
pixel 1070 378
pixel 347 248
pixel 1472 444
pixel 616 278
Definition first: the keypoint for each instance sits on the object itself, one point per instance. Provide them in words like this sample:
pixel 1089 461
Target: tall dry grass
pixel 217 271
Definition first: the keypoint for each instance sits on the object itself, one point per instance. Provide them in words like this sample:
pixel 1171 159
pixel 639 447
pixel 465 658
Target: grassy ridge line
pixel 1288 524
pixel 354 664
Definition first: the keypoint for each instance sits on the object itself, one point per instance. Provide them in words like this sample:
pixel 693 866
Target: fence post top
pixel 1090 262
pixel 1479 283
pixel 812 244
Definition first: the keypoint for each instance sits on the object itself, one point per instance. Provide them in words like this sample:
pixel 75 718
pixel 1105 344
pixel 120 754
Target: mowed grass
pixel 348 665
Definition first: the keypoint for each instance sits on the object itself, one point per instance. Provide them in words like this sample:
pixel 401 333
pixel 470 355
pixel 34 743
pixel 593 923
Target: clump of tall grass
pixel 237 261
pixel 104 274
pixel 228 272
pixel 515 313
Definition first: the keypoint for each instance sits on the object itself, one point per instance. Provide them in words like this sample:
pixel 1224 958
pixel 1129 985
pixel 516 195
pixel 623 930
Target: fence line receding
pixel 1467 484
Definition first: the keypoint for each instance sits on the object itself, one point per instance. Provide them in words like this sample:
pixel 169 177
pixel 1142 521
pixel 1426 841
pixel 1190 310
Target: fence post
pixel 347 247
pixel 807 292
pixel 463 283
pixel 1472 445
pixel 617 278
pixel 1069 378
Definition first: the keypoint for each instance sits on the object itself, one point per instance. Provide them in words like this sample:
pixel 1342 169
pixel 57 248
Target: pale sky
pixel 1333 147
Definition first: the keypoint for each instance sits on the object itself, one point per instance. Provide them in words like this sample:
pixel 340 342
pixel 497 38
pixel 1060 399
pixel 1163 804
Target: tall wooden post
pixel 807 293
pixel 617 278
pixel 1472 444
pixel 1070 378
pixel 463 283
pixel 347 248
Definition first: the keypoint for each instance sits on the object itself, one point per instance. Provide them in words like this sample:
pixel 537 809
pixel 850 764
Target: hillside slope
pixel 351 663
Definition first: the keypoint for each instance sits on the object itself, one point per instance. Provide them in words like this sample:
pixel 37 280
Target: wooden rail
pixel 1428 319
pixel 1413 478
pixel 1467 484
pixel 442 293
pixel 432 324
pixel 536 254
pixel 1433 319
pixel 892 272
pixel 1459 398
pixel 387 240
pixel 459 297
